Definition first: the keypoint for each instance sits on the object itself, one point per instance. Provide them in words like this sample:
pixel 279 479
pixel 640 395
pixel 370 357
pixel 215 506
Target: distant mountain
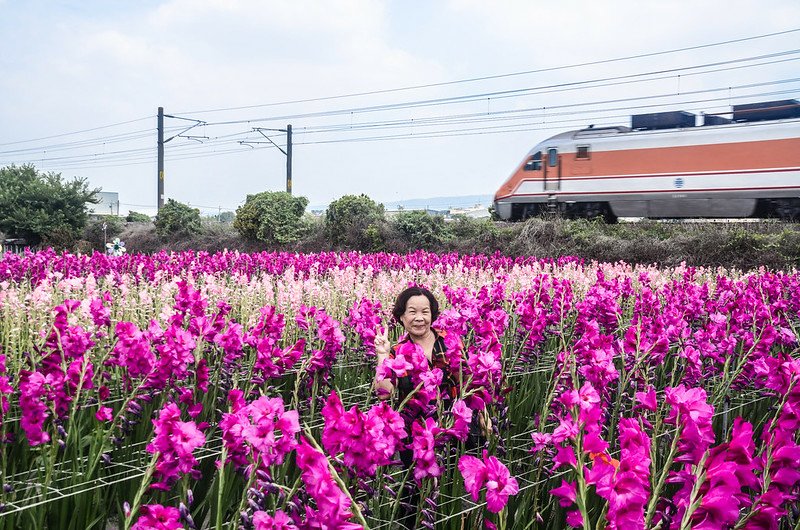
pixel 432 203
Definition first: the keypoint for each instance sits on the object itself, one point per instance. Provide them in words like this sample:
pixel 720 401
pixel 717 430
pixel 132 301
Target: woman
pixel 416 309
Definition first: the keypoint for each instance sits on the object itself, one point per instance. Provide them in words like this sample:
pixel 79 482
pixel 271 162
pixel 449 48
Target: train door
pixel 552 170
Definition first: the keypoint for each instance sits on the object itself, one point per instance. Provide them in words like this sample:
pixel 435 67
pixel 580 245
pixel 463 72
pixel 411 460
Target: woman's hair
pixel 402 300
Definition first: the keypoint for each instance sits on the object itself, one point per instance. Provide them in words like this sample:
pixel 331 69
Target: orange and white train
pixel 665 166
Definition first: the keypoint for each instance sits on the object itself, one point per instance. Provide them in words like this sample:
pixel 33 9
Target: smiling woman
pixel 416 309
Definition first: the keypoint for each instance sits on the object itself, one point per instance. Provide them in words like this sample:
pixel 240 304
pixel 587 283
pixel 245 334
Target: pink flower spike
pixel 564 455
pixel 104 414
pixel 647 400
pixel 500 485
pixel 566 492
pixel 474 472
pixel 575 519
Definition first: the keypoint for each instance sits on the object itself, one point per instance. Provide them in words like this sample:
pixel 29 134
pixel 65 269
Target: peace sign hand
pixel 382 344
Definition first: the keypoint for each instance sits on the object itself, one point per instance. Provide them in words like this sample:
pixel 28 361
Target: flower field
pixel 231 390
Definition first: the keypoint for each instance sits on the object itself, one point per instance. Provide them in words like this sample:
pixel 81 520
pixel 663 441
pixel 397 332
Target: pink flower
pixel 575 519
pixel 491 474
pixel 647 400
pixel 104 414
pixel 474 472
pixel 462 418
pixel 423 444
pixel 565 455
pixel 540 441
pixel 566 492
pixel 158 517
pixel 397 367
pixel 279 521
pixel 333 506
pixel 175 442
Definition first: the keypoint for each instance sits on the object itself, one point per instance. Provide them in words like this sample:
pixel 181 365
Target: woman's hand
pixel 382 345
pixel 383 388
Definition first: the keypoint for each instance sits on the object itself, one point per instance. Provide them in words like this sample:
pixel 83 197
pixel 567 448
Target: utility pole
pixel 289 159
pixel 161 142
pixel 160 198
pixel 288 152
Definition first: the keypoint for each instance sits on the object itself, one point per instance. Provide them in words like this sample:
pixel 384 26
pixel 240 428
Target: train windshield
pixel 534 163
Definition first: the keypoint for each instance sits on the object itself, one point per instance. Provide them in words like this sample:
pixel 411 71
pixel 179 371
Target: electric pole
pixel 289 159
pixel 160 201
pixel 287 153
pixel 161 142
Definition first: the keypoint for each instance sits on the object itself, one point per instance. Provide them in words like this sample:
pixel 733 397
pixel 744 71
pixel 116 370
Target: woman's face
pixel 417 316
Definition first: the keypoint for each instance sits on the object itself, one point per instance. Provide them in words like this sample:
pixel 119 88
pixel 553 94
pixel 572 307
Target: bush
pixel 136 217
pixel 355 222
pixel 421 229
pixel 177 219
pixel 37 206
pixel 271 217
pixel 479 236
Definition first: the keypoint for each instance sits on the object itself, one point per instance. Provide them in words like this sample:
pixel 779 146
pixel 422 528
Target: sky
pixel 396 99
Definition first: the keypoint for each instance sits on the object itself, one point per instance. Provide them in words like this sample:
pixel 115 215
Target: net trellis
pixel 64 484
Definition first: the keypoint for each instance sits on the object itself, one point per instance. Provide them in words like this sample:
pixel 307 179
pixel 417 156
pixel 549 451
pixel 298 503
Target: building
pixel 108 205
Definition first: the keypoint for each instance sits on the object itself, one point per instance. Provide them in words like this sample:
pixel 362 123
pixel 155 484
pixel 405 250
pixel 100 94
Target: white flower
pixel 116 247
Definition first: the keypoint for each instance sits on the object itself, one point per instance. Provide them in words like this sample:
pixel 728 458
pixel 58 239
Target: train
pixel 665 165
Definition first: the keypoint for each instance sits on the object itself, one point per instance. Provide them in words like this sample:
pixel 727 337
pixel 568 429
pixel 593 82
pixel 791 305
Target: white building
pixel 108 205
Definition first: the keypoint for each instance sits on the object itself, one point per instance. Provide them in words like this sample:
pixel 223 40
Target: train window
pixel 582 152
pixel 552 157
pixel 535 162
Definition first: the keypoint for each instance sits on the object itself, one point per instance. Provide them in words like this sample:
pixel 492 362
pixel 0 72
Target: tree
pixel 38 206
pixel 355 221
pixel 421 229
pixel 271 217
pixel 177 219
pixel 136 217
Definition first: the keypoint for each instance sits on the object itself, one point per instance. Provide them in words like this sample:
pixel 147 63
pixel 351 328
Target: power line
pixel 133 153
pixel 76 132
pixel 552 124
pixel 484 95
pixel 595 83
pixel 500 76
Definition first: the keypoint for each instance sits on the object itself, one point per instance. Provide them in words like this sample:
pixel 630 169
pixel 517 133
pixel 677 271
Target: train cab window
pixel 535 162
pixel 582 152
pixel 552 157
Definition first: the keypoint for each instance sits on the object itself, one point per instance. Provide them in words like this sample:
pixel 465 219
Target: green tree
pixel 136 217
pixel 177 219
pixel 271 217
pixel 421 229
pixel 355 221
pixel 39 206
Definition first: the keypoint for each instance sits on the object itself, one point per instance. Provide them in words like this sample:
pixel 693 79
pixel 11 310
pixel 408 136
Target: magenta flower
pixel 424 445
pixel 490 474
pixel 462 418
pixel 695 413
pixel 631 485
pixel 34 412
pixel 174 441
pixel 333 506
pixel 262 431
pixel 566 492
pixel 158 517
pixel 279 521
pixel 104 414
pixel 565 455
